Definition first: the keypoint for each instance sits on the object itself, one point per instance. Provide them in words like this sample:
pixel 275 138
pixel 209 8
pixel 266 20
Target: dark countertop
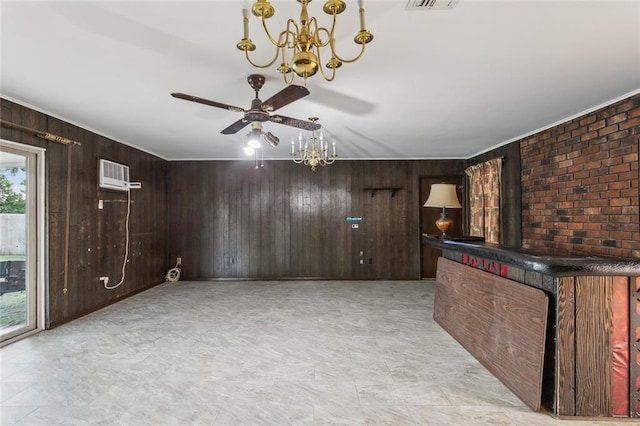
pixel 556 264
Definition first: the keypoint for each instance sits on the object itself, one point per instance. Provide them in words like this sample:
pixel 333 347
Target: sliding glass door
pixel 19 241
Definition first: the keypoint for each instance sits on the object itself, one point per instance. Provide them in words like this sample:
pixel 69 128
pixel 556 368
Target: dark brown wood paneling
pixel 96 237
pixel 566 347
pixel 286 221
pixel 502 323
pixel 594 324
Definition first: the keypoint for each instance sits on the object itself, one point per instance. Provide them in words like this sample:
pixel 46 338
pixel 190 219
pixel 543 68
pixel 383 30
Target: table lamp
pixel 443 195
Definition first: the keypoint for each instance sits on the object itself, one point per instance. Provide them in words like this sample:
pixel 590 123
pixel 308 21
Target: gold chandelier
pixel 299 45
pixel 311 154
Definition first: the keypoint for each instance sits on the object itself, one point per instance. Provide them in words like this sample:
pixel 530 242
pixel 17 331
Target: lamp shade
pixel 443 195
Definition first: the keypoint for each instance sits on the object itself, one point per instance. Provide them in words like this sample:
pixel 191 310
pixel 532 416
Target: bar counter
pixel 558 264
pixel 561 331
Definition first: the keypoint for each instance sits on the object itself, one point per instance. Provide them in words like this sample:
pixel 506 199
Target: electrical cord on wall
pixel 126 245
pixel 173 274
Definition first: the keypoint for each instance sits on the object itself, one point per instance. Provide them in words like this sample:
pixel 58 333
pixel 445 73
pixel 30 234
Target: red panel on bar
pixel 635 355
pixel 620 386
pixel 503 270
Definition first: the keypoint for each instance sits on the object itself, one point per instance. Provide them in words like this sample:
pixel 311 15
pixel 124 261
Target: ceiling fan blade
pixel 285 97
pixel 235 127
pixel 294 122
pixel 206 102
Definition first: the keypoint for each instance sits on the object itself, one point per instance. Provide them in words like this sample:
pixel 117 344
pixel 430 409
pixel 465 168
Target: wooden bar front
pixel 589 363
pixel 507 334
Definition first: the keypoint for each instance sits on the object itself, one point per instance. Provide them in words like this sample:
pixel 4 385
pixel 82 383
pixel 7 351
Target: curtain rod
pixel 44 135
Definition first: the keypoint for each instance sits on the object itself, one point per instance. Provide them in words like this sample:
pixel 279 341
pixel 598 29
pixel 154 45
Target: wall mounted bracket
pixel 373 191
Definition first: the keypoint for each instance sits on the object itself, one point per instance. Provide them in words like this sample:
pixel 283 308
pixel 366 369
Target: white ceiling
pixel 432 84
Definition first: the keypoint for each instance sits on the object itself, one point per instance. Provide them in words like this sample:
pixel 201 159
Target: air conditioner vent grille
pixel 430 4
pixel 113 175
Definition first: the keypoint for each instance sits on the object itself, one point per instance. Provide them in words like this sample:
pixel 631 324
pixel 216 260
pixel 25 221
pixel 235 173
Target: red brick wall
pixel 580 190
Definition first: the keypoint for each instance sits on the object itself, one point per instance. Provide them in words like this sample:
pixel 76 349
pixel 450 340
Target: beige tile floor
pixel 257 353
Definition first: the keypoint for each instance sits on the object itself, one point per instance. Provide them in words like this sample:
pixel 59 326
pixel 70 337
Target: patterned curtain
pixel 484 199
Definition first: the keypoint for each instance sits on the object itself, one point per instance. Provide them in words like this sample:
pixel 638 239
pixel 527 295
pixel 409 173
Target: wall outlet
pixel 100 204
pixel 179 261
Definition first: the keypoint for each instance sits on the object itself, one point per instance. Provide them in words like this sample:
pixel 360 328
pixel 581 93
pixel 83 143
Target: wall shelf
pixel 373 191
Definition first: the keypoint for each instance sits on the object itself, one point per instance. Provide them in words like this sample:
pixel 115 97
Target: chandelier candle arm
pixel 362 38
pixel 284 34
pixel 280 44
pixel 246 44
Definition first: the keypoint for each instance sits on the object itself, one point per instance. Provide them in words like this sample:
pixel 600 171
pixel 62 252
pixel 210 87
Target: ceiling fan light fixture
pixel 271 139
pixel 254 143
pixel 302 41
pixel 254 136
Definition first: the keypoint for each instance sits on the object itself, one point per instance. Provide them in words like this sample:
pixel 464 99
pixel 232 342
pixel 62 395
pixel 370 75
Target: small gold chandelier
pixel 303 41
pixel 310 154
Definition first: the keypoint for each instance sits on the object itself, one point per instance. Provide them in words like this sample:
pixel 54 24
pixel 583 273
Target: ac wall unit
pixel 113 176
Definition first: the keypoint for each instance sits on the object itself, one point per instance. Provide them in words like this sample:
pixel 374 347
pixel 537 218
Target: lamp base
pixel 444 223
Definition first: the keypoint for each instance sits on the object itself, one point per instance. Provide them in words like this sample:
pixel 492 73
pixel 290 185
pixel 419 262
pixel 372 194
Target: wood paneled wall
pixel 231 220
pixel 96 237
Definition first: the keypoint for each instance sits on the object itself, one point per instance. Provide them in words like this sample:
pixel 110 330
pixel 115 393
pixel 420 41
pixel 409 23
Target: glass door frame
pixel 36 240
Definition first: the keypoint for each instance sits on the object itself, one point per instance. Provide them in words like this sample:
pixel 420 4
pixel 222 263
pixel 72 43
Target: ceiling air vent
pixel 430 4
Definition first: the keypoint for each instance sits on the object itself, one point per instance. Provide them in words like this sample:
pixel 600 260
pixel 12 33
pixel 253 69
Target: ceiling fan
pixel 259 111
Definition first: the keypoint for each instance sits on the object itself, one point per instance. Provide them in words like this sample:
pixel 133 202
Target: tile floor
pixel 257 353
